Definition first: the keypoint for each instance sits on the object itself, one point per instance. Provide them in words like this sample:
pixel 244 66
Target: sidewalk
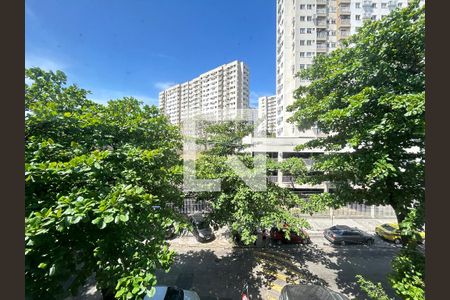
pixel 318 225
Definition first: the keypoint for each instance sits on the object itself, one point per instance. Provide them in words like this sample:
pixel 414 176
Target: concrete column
pixel 280 174
pixel 326 190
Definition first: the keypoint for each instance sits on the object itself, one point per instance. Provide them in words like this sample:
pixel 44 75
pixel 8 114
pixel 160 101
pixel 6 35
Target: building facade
pixel 267 112
pixel 307 28
pixel 218 93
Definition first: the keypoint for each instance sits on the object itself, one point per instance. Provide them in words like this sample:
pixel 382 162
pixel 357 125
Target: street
pixel 217 270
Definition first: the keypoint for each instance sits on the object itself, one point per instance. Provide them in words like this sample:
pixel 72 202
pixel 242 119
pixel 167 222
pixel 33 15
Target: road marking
pixel 276 287
pixel 286 278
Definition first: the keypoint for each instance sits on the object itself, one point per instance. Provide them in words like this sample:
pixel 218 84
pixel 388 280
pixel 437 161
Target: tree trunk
pixel 108 294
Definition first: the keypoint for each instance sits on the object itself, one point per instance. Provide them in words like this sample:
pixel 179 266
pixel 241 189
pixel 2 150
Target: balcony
pixel 344 34
pixel 322 36
pixel 344 10
pixel 321 11
pixel 287 179
pixel 321 24
pixel 321 1
pixel 322 48
pixel 344 23
pixel 273 178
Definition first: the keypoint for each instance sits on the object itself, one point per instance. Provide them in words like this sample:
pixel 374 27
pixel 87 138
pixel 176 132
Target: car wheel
pixel 397 241
pixel 370 242
pixel 342 243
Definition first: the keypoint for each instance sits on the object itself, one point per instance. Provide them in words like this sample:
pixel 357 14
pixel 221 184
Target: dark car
pixel 343 234
pixel 309 292
pixel 201 229
pixel 279 236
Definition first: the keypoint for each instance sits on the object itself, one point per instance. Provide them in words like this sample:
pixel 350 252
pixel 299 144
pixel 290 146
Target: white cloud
pixel 162 85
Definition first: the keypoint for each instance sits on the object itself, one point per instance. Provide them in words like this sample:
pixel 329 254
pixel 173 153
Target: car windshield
pixel 389 227
pixel 174 293
pixel 202 224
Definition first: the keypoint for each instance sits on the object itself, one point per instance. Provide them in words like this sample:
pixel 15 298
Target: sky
pixel 139 47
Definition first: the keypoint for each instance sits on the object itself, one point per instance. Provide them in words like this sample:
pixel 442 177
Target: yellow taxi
pixel 391 232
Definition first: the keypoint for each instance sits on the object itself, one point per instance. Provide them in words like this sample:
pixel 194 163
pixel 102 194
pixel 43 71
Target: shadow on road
pixel 214 277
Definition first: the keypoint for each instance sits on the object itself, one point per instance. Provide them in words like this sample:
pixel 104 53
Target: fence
pixel 192 206
pixel 349 211
pixel 356 210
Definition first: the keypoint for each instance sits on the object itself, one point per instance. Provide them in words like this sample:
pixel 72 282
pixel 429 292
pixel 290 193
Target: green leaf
pixel 108 219
pixel 124 218
pixel 120 292
pixel 42 266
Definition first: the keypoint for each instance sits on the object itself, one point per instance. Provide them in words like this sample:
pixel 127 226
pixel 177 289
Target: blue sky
pixel 138 47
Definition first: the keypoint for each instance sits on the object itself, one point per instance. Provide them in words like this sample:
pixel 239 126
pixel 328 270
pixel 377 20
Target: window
pixel 302 18
pixel 302 6
pixel 308 42
pixel 302 54
pixel 357 5
pixel 302 66
pixel 374 5
pixel 333 21
pixel 357 17
pixel 302 30
pixel 399 4
pixel 308 30
pixel 383 5
pixel 333 45
pixel 332 32
pixel 309 18
pixel 309 6
pixel 302 42
pixel 308 54
pixel 374 17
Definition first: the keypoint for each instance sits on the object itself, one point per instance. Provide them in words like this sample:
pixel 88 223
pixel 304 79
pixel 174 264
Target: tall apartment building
pixel 267 111
pixel 307 28
pixel 217 93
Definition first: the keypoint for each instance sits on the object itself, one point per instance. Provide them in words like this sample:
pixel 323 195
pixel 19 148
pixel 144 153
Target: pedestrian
pixel 264 238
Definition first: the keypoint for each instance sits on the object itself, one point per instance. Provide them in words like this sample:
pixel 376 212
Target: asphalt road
pixel 217 270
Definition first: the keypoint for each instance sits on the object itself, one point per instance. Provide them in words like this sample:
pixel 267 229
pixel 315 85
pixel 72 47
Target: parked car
pixel 391 232
pixel 201 229
pixel 309 292
pixel 172 293
pixel 343 234
pixel 279 236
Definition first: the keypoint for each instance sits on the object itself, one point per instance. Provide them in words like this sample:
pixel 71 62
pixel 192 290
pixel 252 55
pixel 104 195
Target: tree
pixel 369 97
pixel 237 206
pixel 99 184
